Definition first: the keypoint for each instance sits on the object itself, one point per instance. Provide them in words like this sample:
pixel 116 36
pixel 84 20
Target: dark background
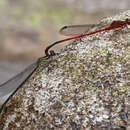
pixel 28 26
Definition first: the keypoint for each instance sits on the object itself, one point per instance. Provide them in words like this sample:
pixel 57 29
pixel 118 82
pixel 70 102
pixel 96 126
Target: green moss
pixel 18 116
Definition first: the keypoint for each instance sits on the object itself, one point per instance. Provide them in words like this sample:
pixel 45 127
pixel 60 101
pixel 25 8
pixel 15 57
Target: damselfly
pixel 79 31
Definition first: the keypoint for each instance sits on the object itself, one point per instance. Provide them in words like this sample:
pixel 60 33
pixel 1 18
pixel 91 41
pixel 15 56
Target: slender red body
pixel 113 25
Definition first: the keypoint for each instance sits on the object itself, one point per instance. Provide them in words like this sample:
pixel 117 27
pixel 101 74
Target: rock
pixel 86 86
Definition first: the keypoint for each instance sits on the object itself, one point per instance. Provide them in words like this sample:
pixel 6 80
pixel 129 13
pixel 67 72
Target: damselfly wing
pixel 74 30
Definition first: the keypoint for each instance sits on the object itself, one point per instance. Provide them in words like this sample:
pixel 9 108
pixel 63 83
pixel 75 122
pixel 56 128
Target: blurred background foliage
pixel 28 26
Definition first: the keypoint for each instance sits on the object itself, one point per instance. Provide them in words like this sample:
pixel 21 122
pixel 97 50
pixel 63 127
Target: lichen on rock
pixel 85 86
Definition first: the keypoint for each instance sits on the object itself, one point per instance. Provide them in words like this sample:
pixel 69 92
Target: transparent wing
pixel 74 30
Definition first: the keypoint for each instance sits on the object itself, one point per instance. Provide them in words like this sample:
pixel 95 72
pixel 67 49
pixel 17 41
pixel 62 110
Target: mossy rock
pixel 85 87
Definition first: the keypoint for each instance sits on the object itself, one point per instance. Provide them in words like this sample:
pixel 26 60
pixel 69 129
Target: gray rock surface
pixel 85 87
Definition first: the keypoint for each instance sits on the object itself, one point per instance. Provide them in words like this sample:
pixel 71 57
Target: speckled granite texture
pixel 85 87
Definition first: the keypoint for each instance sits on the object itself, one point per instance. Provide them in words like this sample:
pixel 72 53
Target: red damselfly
pixel 9 88
pixel 81 29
